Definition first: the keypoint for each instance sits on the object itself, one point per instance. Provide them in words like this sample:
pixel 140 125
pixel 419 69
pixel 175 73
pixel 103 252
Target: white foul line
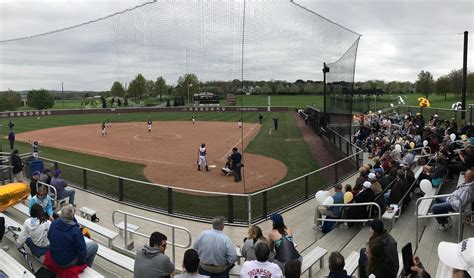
pixel 238 142
pixel 270 132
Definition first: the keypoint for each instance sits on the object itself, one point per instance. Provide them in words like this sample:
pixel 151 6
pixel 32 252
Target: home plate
pixel 212 166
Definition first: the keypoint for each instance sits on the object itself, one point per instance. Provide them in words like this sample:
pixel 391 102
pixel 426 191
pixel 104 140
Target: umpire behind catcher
pixel 236 164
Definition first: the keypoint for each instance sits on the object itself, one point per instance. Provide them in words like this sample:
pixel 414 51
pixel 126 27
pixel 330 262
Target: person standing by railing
pixel 17 165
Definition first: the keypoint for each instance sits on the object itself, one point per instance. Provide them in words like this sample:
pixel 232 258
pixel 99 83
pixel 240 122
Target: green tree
pixel 425 83
pixel 393 87
pixel 442 86
pixel 149 85
pixel 294 89
pixel 281 89
pixel 9 100
pixel 160 87
pixel 455 82
pixel 188 85
pixel 137 88
pixel 470 84
pixel 265 89
pixel 40 99
pixel 104 103
pixel 309 89
pixel 117 89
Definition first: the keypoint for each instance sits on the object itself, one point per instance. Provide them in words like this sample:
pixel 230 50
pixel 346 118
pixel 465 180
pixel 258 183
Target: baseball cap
pixel 277 218
pixel 57 172
pixel 376 225
pixel 372 176
pixel 36 173
pixel 367 184
pixel 378 170
pixel 458 255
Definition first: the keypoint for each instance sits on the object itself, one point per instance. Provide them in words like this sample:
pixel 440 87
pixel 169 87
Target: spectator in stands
pixel 376 186
pixel 260 267
pixel 35 232
pixel 293 269
pixel 17 165
pixel 255 236
pixel 465 161
pixel 216 250
pixel 331 212
pixel 336 266
pixel 34 182
pixel 2 232
pixel 461 198
pixel 439 171
pixel 395 195
pixel 384 180
pixel 42 198
pixel 378 263
pixel 280 240
pixel 190 265
pixel 360 180
pixel 151 261
pixel 67 244
pixel 459 256
pixel 61 190
pixel 380 235
pixel 46 176
pixel 364 196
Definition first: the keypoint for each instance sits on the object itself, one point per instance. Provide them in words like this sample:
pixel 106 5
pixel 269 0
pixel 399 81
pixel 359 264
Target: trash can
pixel 37 165
pixel 27 167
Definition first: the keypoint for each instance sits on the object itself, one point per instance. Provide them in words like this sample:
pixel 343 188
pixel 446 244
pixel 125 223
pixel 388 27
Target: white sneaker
pixel 444 227
pixel 5 248
pixel 344 226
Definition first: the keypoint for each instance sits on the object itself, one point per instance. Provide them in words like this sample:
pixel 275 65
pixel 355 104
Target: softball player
pixel 35 149
pixel 104 130
pixel 193 118
pixel 239 123
pixel 109 124
pixel 149 125
pixel 202 157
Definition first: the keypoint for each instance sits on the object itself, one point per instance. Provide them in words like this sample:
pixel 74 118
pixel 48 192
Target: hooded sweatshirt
pixel 390 246
pixel 66 242
pixel 151 262
pixel 463 196
pixel 38 232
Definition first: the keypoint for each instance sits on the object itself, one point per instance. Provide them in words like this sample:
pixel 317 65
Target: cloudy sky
pixel 282 41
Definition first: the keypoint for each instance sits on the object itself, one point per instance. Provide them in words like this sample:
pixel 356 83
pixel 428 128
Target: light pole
pixel 187 87
pixel 325 70
pixel 62 92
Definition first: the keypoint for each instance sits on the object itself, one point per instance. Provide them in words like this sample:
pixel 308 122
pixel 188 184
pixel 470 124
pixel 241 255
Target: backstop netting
pixel 238 47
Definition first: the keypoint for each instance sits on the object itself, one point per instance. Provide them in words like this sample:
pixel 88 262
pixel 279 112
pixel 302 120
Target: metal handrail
pixel 50 189
pixel 173 229
pixel 350 205
pixel 431 215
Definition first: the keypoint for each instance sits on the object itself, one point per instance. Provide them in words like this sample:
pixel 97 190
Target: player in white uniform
pixel 202 157
pixel 149 125
pixel 194 119
pixel 239 123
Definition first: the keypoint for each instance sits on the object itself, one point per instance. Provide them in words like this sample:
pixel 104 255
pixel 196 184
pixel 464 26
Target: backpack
pixel 286 251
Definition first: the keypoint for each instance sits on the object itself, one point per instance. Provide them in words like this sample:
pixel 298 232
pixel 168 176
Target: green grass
pixel 295 154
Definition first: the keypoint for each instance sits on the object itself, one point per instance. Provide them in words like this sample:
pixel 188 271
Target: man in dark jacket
pixel 365 195
pixel 67 244
pixel 236 158
pixel 17 165
pixel 336 266
pixel 11 139
pixel 395 195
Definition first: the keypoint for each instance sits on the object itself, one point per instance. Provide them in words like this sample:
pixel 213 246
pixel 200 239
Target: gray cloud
pixel 169 39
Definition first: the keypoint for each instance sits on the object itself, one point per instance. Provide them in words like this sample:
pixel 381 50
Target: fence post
pixel 336 178
pixel 347 149
pixel 340 143
pixel 56 165
pixel 170 200
pixel 120 184
pixel 306 187
pixel 357 158
pixel 249 208
pixel 84 178
pixel 264 203
pixel 230 208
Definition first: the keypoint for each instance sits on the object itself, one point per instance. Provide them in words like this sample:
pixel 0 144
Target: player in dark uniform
pixel 104 130
pixel 35 150
pixel 236 158
pixel 275 123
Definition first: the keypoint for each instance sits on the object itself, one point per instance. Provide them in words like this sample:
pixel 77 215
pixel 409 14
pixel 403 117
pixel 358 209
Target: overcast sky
pixel 399 38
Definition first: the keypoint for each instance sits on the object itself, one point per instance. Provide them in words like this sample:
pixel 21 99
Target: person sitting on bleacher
pixel 60 186
pixel 280 240
pixel 378 264
pixel 34 182
pixel 42 198
pixel 331 212
pixel 464 161
pixel 360 180
pixel 336 266
pixel 216 250
pixel 151 261
pixel 462 197
pixel 380 235
pixel 35 232
pixel 261 267
pixel 255 236
pixel 395 194
pixel 190 265
pixel 67 245
pixel 46 176
pixel 376 186
pixel 360 212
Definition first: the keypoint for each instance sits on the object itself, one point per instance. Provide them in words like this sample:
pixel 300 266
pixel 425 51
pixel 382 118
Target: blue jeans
pixel 442 207
pixel 71 193
pixel 36 250
pixel 386 197
pixel 91 248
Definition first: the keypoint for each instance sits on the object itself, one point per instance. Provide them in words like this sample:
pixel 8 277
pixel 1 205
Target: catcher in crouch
pixel 227 170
